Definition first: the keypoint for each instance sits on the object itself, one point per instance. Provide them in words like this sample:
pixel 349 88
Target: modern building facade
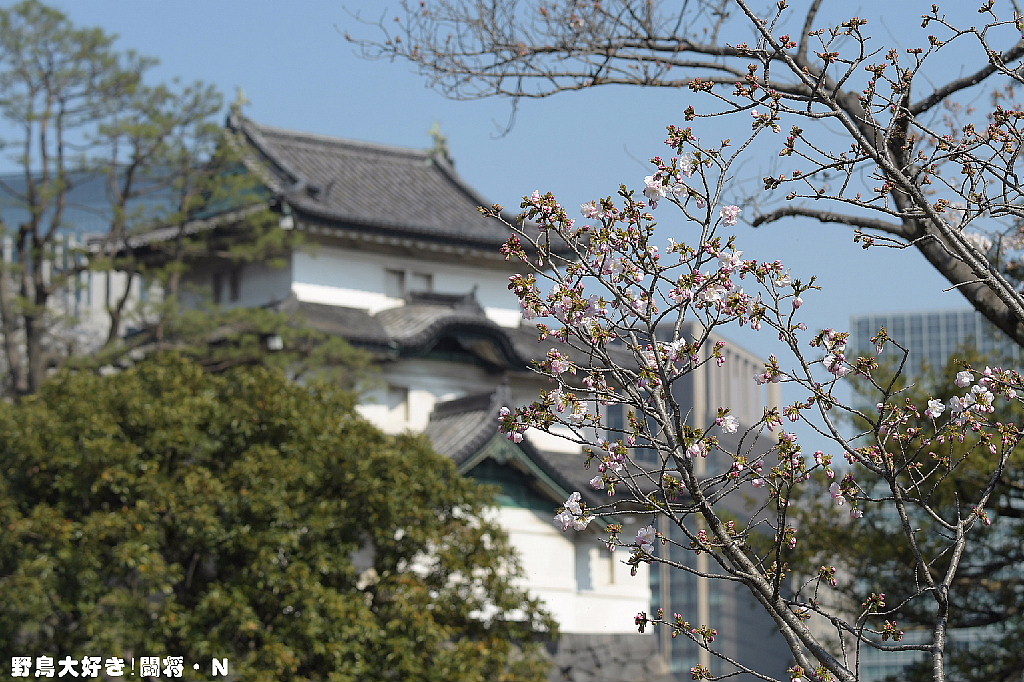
pixel 933 336
pixel 747 634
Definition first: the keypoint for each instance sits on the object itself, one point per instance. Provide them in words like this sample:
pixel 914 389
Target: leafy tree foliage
pixel 97 139
pixel 170 511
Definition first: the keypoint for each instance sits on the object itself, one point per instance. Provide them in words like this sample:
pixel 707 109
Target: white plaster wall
pixel 586 587
pixel 260 284
pixel 557 441
pixel 263 284
pixel 429 382
pixel 328 275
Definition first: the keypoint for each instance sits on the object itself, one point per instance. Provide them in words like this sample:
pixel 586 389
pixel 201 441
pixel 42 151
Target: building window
pixel 617 426
pixel 400 283
pixel 398 402
pixel 231 280
pixel 421 281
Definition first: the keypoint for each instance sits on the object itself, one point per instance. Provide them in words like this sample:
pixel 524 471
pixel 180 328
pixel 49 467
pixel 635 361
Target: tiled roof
pixel 421 323
pixel 350 184
pixel 353 324
pixel 459 428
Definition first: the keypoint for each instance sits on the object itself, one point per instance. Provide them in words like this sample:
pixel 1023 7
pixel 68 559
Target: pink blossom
pixel 646 536
pixel 687 165
pixel 655 190
pixel 964 379
pixel 731 261
pixel 582 522
pixel 597 483
pixel 728 423
pixel 558 363
pixel 836 363
pixel 935 408
pixel 731 215
pixel 572 514
pixel 592 210
pixel 697 450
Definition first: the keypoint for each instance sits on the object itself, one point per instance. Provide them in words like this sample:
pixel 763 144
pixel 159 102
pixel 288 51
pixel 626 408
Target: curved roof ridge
pixel 253 135
pixel 447 167
pixel 322 138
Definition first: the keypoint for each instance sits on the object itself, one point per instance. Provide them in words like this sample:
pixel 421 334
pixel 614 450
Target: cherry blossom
pixel 655 189
pixel 645 537
pixel 573 515
pixel 621 306
pixel 728 423
pixel 731 215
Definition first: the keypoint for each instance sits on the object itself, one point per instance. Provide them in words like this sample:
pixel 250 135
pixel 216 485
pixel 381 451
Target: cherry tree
pixel 611 301
pixel 909 141
pixel 887 139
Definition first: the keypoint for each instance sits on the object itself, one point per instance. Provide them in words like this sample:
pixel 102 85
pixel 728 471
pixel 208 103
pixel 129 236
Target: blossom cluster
pixel 610 297
pixel 573 514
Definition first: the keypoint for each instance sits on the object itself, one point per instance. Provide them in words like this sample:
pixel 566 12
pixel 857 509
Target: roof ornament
pixel 240 101
pixel 440 143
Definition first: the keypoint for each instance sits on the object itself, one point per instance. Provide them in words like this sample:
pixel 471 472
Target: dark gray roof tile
pixel 353 324
pixel 459 428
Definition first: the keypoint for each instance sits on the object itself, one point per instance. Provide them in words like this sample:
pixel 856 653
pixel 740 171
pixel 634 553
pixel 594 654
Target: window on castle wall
pixel 227 285
pixel 398 402
pixel 394 283
pixel 421 281
pixel 400 283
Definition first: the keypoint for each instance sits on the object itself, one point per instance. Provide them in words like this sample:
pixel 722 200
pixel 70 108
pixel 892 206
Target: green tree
pixel 88 122
pixel 941 476
pixel 170 511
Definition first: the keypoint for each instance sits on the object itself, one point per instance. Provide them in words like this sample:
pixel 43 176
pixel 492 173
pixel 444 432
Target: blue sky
pixel 299 72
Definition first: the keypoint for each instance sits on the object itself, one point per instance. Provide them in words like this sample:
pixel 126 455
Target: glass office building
pixel 932 336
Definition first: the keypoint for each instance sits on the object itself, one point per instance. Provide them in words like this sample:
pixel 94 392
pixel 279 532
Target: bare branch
pixel 864 222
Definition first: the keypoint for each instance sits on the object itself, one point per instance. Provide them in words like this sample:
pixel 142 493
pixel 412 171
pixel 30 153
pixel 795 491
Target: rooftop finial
pixel 240 101
pixel 440 142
